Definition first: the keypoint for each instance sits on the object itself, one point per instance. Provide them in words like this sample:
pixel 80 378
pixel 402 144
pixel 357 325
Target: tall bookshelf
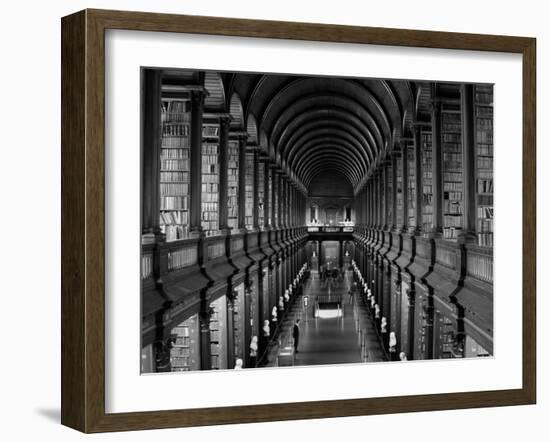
pixel 239 323
pixel 411 186
pixel 233 184
pixel 185 354
pixel 210 178
pixel 483 103
pixel 399 192
pixel 261 193
pixel 269 197
pixel 276 197
pixel 218 334
pixel 427 182
pixel 389 187
pixel 174 168
pixel 451 133
pixel 249 191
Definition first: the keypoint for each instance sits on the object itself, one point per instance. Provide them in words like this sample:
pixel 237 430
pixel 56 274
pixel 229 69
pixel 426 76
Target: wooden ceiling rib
pixel 310 125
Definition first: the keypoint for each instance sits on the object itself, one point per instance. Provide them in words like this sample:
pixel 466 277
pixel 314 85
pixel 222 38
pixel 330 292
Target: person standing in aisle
pixel 296 334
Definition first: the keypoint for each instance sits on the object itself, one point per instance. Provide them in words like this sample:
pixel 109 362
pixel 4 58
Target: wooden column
pixel 197 106
pixel 418 174
pixel 224 148
pixel 468 158
pixel 404 184
pixel 151 138
pixel 437 175
pixel 255 198
pixel 385 166
pixel 204 326
pixel 242 181
pixel 267 197
pixel 394 189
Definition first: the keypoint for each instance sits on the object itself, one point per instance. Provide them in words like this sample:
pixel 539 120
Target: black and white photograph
pixel 293 220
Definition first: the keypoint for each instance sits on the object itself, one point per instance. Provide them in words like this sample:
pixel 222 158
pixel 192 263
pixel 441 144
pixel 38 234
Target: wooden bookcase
pixel 389 186
pixel 451 134
pixel 239 323
pixel 411 186
pixel 233 184
pixel 483 110
pixel 399 191
pixel 261 193
pixel 218 334
pixel 174 168
pixel 185 353
pixel 210 178
pixel 269 197
pixel 249 191
pixel 427 182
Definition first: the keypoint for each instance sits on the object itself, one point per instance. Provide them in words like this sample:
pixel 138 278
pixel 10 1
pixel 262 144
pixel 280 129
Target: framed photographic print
pixel 268 221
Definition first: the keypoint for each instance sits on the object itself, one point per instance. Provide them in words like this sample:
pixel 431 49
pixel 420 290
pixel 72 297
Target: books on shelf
pixel 249 191
pixel 483 102
pixel 184 354
pixel 232 184
pixel 174 168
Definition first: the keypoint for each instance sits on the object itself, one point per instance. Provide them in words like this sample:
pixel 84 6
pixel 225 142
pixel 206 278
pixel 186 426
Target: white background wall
pixel 30 221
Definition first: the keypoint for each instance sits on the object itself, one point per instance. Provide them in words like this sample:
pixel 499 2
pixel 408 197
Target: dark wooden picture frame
pixel 83 220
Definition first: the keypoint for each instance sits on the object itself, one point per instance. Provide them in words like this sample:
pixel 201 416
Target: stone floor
pixel 350 338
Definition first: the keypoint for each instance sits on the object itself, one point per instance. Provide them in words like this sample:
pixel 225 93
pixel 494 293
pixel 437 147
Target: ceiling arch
pixel 308 125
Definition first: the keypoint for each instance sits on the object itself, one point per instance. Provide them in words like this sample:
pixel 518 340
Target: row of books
pixel 452 186
pixel 484 111
pixel 484 123
pixel 209 148
pixel 167 165
pixel 483 97
pixel 451 232
pixel 210 130
pixel 452 207
pixel 485 163
pixel 175 130
pixel 452 165
pixel 452 147
pixel 177 107
pixel 174 232
pixel 485 186
pixel 179 217
pixel 232 202
pixel 174 203
pixel 483 136
pixel 485 225
pixel 209 197
pixel 451 138
pixel 171 142
pixel 210 211
pixel 452 176
pixel 174 154
pixel 174 189
pixel 209 159
pixel 209 188
pixel 210 170
pixel 485 240
pixel 174 177
pixel 486 174
pixel 484 149
pixel 485 212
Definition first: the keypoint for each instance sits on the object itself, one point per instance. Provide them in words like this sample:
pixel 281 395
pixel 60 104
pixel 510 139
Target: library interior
pixel 292 220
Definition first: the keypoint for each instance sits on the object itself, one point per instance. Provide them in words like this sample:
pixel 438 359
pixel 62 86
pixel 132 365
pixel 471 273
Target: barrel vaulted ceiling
pixel 316 125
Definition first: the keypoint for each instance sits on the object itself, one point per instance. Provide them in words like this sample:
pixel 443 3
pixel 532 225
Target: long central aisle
pixel 328 340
